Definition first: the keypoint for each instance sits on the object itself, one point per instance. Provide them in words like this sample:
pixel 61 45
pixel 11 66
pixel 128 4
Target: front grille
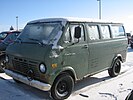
pixel 24 66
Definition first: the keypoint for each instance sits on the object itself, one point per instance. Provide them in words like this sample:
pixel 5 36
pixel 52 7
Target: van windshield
pixel 41 32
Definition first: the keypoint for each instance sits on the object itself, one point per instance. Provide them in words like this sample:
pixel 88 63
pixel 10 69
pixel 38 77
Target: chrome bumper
pixel 34 83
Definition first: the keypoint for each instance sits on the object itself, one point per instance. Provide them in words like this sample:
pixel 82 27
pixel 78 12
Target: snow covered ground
pixel 96 87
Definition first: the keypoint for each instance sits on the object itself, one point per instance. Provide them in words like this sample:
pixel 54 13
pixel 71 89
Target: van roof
pixel 70 19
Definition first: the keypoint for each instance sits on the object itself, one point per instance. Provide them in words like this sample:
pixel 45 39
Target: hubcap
pixel 116 68
pixel 62 89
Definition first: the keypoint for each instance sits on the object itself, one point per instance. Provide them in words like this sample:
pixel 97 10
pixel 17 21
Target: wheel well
pixel 70 73
pixel 119 57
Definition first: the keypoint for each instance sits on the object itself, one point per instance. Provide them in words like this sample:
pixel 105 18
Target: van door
pixel 94 48
pixel 76 50
pixel 99 47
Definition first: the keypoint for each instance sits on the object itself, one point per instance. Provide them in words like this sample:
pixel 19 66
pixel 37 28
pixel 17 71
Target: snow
pixel 96 87
pixel 64 20
pixel 57 37
pixel 109 89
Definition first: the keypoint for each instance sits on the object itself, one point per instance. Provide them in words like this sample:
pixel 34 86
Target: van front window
pixel 43 32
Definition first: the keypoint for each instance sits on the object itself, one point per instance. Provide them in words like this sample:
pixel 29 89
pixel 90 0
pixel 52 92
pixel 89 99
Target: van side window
pixel 105 32
pixel 117 31
pixel 69 35
pixel 93 32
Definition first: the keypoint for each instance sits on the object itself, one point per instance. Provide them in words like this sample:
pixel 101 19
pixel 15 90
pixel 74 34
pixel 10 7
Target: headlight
pixel 7 59
pixel 42 68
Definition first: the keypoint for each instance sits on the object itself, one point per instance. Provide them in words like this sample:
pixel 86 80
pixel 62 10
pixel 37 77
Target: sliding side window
pixel 117 31
pixel 93 32
pixel 105 33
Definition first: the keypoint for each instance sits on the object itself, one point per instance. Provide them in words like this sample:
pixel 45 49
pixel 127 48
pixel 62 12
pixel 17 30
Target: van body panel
pixel 76 56
pixel 103 51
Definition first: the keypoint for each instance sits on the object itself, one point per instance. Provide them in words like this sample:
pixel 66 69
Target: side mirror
pixel 77 32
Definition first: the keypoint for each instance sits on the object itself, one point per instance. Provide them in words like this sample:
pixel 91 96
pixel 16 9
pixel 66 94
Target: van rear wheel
pixel 115 70
pixel 62 87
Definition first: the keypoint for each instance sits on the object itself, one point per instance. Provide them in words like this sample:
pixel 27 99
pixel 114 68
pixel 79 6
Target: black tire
pixel 115 69
pixel 2 67
pixel 130 96
pixel 62 87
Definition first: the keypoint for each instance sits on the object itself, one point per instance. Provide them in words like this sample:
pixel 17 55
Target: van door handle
pixel 69 54
pixel 85 46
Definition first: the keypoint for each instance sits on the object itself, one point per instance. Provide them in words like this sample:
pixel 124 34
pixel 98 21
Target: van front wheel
pixel 62 87
pixel 115 70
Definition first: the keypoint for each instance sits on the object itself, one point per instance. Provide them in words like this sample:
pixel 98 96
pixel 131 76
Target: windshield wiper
pixel 38 41
pixel 33 39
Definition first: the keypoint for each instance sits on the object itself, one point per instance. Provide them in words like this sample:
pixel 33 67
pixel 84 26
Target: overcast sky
pixel 27 10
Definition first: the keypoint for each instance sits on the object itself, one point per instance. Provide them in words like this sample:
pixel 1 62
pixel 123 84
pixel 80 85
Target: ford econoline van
pixel 52 54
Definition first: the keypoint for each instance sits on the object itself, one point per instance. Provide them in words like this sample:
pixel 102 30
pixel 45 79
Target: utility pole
pixel 17 23
pixel 100 9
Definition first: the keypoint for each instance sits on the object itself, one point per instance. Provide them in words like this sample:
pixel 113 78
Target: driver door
pixel 76 50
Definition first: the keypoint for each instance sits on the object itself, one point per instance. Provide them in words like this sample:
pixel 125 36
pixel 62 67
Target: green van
pixel 52 54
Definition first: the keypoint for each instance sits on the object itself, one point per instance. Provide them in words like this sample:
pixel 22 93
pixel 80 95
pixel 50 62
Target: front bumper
pixel 34 83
